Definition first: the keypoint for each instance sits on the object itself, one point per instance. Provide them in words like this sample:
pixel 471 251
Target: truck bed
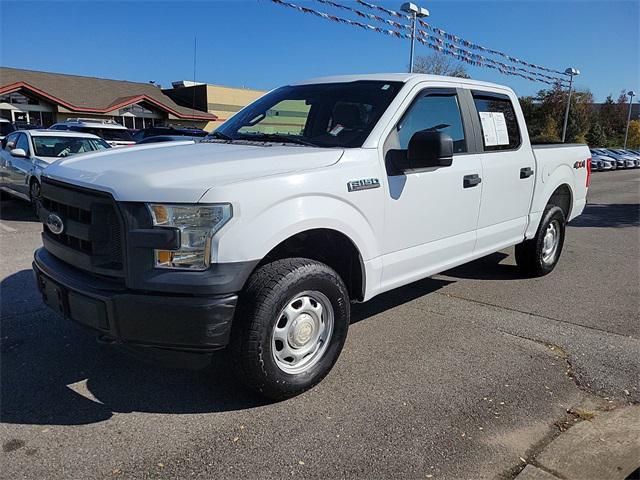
pixel 561 164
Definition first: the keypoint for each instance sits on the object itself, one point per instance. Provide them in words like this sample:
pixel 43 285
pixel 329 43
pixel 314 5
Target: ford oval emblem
pixel 55 224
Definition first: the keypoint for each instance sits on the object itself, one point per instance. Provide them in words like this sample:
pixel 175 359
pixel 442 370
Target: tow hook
pixel 105 340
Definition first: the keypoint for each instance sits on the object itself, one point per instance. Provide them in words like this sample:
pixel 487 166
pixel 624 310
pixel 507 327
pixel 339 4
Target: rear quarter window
pixel 498 121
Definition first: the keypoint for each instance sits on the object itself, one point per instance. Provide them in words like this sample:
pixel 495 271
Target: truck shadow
pixel 612 215
pixel 487 268
pixel 13 209
pixel 55 373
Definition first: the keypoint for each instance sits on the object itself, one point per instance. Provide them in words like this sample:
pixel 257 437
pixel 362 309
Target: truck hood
pixel 183 173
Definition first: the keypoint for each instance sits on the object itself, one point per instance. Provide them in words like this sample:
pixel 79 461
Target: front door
pixel 8 144
pixel 19 167
pixel 431 214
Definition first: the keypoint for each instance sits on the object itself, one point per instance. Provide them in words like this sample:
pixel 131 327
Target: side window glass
pixel 23 143
pixel 498 120
pixel 434 112
pixel 11 142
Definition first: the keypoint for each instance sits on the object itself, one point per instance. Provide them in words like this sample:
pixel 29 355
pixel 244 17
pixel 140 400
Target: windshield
pixel 324 115
pixel 113 134
pixel 66 146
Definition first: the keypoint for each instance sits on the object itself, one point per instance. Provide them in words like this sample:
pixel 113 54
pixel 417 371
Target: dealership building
pixel 45 98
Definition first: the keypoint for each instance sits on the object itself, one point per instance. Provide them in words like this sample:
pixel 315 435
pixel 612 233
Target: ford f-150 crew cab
pixel 318 194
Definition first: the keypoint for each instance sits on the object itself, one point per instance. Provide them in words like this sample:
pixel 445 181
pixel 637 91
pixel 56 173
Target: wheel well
pixel 562 198
pixel 329 247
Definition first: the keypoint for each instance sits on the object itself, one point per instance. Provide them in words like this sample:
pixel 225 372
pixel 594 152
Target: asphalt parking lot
pixel 464 375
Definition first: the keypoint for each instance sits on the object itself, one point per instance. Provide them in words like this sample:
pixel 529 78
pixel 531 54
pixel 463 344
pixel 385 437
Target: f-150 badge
pixel 364 184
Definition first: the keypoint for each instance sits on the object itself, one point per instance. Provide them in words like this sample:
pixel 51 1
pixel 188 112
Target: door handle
pixel 469 181
pixel 526 172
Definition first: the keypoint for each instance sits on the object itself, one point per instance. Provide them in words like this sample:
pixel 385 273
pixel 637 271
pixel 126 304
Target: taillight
pixel 588 171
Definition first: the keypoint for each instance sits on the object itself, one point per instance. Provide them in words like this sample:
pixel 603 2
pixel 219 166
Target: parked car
pixel 6 127
pixel 169 138
pixel 112 132
pixel 637 156
pixel 630 153
pixel 25 153
pixel 258 238
pixel 602 162
pixel 168 131
pixel 620 161
pixel 627 161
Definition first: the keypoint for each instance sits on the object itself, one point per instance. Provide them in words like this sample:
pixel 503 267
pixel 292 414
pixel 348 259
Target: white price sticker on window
pixel 494 128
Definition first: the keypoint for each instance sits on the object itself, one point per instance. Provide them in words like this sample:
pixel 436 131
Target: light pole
pixel 571 72
pixel 415 12
pixel 626 132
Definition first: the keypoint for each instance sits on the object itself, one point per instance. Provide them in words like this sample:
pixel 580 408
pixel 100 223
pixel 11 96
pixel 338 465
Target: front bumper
pixel 180 322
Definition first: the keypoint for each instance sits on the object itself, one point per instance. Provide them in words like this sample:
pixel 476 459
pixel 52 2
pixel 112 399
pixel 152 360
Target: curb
pixel 606 447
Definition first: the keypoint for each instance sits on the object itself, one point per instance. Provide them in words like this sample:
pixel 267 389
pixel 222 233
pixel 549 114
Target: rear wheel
pixel 291 324
pixel 540 255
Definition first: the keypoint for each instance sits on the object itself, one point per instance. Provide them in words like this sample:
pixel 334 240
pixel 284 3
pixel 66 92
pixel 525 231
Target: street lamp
pixel 415 12
pixel 571 72
pixel 626 132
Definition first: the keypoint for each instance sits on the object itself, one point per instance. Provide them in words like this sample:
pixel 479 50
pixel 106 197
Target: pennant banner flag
pixel 432 42
pixel 457 39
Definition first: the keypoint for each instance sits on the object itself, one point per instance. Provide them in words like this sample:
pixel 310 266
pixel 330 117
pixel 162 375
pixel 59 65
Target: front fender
pixel 251 237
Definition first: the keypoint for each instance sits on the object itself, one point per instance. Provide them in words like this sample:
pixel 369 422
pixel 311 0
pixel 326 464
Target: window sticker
pixel 335 131
pixel 494 128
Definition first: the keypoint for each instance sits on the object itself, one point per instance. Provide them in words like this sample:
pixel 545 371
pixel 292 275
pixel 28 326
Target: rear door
pixel 508 171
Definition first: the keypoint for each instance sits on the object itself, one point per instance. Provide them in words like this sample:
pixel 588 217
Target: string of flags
pixel 470 57
pixel 365 15
pixel 425 38
pixel 457 39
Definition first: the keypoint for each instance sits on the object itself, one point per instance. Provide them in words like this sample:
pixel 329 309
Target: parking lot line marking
pixel 6 228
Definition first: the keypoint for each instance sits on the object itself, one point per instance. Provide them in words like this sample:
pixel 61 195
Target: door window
pixel 498 120
pixel 10 141
pixel 435 112
pixel 23 143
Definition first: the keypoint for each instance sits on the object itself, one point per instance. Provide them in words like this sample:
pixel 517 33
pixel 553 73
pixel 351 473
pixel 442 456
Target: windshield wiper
pixel 221 136
pixel 281 137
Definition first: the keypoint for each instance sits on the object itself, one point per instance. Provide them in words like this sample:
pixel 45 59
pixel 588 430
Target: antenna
pixel 193 101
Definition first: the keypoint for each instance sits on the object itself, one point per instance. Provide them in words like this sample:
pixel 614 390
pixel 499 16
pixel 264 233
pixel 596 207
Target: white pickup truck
pixel 319 194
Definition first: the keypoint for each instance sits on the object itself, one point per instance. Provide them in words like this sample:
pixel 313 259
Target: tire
pixel 276 316
pixel 34 195
pixel 540 255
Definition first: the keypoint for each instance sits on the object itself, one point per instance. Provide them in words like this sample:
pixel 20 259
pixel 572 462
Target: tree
pixel 633 139
pixel 438 64
pixel 544 114
pixel 612 118
pixel 596 136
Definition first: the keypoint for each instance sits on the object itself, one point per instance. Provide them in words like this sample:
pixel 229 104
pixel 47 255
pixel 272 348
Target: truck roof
pixel 397 77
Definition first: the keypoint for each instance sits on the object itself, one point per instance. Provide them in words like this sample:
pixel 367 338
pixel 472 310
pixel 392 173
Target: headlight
pixel 197 225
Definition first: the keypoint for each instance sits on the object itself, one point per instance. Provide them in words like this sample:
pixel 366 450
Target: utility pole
pixel 571 72
pixel 414 11
pixel 626 132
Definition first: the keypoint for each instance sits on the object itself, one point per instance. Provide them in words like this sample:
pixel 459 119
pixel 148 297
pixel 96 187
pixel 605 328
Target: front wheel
pixel 34 195
pixel 540 255
pixel 291 324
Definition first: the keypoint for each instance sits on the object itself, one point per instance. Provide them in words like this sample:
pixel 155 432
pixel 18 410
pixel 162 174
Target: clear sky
pixel 255 43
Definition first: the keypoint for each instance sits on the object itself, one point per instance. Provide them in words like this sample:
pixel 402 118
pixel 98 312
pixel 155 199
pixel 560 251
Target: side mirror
pixel 430 149
pixel 18 152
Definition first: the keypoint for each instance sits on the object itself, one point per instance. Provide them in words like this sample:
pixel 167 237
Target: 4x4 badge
pixel 364 184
